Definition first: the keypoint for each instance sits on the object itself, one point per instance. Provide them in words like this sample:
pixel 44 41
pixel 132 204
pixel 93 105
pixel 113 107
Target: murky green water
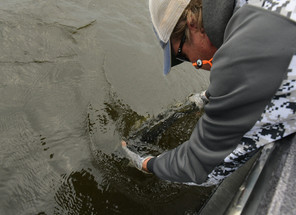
pixel 76 78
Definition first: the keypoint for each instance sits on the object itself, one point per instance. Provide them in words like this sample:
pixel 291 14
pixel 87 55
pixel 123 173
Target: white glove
pixel 135 159
pixel 199 99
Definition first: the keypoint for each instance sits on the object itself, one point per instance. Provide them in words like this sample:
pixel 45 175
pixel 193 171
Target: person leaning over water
pixel 251 53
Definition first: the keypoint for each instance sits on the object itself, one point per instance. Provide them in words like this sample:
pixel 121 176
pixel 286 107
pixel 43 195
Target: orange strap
pixel 204 62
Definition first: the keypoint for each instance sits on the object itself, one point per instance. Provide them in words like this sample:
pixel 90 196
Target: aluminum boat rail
pixel 265 185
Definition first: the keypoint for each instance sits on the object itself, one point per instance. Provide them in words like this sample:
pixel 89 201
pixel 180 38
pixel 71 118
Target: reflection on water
pixel 80 193
pixel 144 193
pixel 123 189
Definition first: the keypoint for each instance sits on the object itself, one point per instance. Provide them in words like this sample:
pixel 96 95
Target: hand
pixel 139 162
pixel 199 99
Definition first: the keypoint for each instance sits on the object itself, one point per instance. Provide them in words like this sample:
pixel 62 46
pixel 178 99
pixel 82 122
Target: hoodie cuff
pixel 150 165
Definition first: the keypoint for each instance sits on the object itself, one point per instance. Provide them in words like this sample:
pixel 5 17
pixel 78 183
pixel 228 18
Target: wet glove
pixel 135 159
pixel 199 99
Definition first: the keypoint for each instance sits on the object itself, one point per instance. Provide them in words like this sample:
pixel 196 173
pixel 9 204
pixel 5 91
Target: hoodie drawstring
pixel 200 62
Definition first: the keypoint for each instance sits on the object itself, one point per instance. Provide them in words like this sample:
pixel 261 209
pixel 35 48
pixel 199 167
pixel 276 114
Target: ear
pixel 193 27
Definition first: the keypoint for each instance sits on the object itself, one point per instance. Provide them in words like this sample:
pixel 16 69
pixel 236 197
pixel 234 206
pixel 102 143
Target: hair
pixel 193 15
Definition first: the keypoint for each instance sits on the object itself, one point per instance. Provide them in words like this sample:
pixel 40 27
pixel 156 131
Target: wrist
pixel 144 164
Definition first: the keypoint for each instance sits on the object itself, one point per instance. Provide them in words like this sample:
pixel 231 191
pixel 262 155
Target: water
pixel 76 78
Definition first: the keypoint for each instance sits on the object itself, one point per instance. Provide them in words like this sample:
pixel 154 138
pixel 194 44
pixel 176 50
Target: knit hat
pixel 215 16
pixel 165 15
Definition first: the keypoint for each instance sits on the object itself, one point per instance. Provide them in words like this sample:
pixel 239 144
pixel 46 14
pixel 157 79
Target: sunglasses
pixel 179 55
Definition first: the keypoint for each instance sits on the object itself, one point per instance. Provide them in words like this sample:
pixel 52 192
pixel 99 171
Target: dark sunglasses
pixel 179 55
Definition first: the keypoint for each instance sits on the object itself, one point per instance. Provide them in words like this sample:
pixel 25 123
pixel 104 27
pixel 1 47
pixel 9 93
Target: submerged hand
pixel 138 161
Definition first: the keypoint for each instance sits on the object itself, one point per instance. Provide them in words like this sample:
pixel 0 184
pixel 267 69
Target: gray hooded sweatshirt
pixel 251 94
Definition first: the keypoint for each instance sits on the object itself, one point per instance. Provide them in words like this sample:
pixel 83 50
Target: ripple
pixel 27 177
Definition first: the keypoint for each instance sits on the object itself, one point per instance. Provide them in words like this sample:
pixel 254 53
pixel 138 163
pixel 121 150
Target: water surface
pixel 76 78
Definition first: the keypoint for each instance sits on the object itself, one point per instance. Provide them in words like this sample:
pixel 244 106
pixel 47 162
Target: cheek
pixel 203 52
pixel 193 54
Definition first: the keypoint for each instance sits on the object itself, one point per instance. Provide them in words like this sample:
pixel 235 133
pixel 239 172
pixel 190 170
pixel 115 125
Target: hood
pixel 216 14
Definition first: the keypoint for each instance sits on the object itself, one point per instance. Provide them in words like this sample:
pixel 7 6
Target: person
pixel 251 99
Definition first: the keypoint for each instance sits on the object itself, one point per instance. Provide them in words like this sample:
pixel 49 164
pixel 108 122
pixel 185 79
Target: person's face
pixel 199 47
